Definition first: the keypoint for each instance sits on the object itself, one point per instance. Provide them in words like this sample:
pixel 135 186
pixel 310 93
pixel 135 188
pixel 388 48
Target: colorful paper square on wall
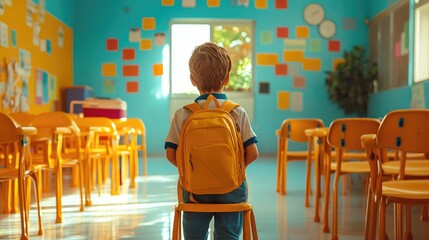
pixel 108 69
pixel 261 4
pixel 109 86
pixel 315 45
pixel 267 59
pixel 158 69
pixel 112 44
pixel 282 32
pixel 13 38
pixel 189 3
pixel 134 35
pixel 148 23
pixel 167 2
pixel 48 46
pixel 145 44
pixel 283 101
pixel 302 32
pixel 281 4
pixel 159 39
pixel 311 64
pixel 295 44
pixel 266 37
pixel 299 82
pixel 349 24
pixel 132 87
pixel 281 69
pixel 296 100
pixel 334 45
pixel 213 3
pixel 264 87
pixel 130 70
pixel 128 54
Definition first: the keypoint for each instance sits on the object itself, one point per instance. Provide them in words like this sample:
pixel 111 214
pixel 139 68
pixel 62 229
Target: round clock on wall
pixel 314 14
pixel 327 28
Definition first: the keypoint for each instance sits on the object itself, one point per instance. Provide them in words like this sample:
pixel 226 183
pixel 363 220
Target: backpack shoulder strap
pixel 229 105
pixel 193 107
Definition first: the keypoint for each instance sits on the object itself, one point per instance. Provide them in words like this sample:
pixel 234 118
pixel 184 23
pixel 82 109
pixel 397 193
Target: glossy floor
pixel 146 212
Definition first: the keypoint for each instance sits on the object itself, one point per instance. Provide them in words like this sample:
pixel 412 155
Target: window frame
pixel 212 23
pixel 418 6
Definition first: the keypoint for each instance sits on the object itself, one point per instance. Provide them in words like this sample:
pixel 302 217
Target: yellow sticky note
pixel 267 59
pixel 336 61
pixel 261 3
pixel 283 99
pixel 213 3
pixel 293 56
pixel 302 32
pixel 158 69
pixel 311 64
pixel 108 70
pixel 146 44
pixel 148 23
pixel 167 2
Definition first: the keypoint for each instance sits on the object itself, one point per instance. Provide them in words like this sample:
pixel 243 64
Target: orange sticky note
pixel 293 56
pixel 130 70
pixel 167 2
pixel 302 32
pixel 213 3
pixel 158 69
pixel 283 100
pixel 311 64
pixel 261 3
pixel 128 54
pixel 148 23
pixel 267 59
pixel 108 69
pixel 132 87
pixel 146 44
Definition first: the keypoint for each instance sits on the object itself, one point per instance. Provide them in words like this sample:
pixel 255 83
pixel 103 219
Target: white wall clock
pixel 327 28
pixel 314 14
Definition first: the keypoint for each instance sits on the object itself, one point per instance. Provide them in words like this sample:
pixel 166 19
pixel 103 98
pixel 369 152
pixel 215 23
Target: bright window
pixel 235 36
pixel 421 69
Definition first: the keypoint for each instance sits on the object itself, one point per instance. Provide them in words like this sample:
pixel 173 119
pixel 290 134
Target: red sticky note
pixel 132 87
pixel 130 70
pixel 282 4
pixel 334 46
pixel 282 32
pixel 281 69
pixel 128 54
pixel 112 44
pixel 299 82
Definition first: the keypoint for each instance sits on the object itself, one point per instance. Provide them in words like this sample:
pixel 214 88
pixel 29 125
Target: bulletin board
pixel 35 58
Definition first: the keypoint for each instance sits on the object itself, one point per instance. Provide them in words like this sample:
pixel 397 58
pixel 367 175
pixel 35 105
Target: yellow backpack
pixel 210 154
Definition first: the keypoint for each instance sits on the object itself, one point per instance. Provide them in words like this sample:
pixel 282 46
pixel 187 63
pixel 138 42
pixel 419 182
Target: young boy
pixel 209 66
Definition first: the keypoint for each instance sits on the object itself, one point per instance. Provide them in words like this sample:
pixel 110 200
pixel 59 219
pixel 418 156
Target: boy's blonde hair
pixel 209 65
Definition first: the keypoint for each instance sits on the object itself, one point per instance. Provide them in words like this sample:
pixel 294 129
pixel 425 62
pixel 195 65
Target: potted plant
pixel 352 82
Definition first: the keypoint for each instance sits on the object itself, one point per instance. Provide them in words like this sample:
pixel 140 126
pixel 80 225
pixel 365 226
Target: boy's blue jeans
pixel 227 225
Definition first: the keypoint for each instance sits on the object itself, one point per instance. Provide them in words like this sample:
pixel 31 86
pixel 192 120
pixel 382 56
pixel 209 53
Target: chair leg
pixel 370 215
pixel 177 225
pixel 424 216
pixel 334 235
pixel 246 226
pixel 34 176
pixel 59 192
pixel 22 208
pixel 279 166
pixel 408 234
pixel 382 229
pixel 398 221
pixel 326 199
pixel 81 182
pixel 253 225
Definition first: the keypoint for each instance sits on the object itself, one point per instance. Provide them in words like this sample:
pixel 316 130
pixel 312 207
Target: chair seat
pixel 352 166
pixel 410 189
pixel 412 167
pixel 8 173
pixel 230 207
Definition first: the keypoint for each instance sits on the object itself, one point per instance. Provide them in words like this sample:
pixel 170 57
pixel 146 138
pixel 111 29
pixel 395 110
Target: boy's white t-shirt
pixel 248 136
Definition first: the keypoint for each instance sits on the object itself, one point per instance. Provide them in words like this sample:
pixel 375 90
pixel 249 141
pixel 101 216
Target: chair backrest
pixel 294 129
pixel 346 132
pixel 22 118
pixel 405 130
pixel 86 123
pixel 8 129
pixel 47 122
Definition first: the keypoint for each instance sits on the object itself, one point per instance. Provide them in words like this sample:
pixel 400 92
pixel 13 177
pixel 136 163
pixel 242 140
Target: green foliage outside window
pixel 237 40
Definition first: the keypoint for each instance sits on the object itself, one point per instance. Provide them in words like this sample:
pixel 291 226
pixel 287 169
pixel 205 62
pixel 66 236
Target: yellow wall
pixel 58 63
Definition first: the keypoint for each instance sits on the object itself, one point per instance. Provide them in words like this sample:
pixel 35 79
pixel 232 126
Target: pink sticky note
pixel 398 49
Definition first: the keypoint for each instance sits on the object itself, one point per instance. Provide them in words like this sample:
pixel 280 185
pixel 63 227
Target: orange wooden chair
pixel 140 133
pixel 294 130
pixel 344 135
pixel 15 142
pixel 249 222
pixel 406 131
pixel 126 148
pixel 47 152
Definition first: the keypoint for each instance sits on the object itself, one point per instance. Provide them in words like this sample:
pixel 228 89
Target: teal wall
pixel 97 20
pixel 61 9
